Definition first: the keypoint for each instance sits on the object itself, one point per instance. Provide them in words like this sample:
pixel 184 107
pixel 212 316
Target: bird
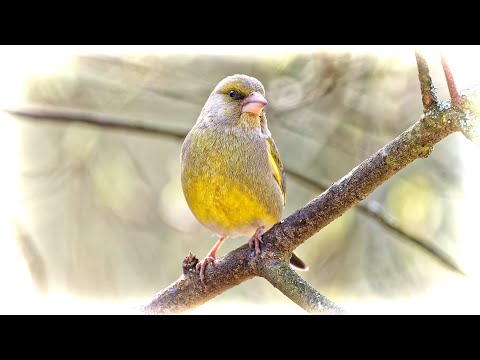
pixel 232 176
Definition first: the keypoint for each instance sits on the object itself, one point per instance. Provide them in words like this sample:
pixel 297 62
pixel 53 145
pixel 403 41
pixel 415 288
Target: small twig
pixel 429 97
pixel 285 279
pixel 455 96
pixel 375 210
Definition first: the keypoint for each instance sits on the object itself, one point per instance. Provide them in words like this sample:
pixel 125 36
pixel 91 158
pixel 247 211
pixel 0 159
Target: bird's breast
pixel 228 182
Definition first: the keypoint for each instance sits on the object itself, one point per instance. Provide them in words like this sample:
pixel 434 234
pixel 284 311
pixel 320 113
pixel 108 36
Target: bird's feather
pixel 277 166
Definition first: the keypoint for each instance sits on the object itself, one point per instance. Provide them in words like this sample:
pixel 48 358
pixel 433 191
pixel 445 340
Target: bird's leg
pixel 211 256
pixel 256 239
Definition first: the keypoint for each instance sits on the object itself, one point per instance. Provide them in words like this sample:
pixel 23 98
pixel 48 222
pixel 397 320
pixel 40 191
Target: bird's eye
pixel 235 95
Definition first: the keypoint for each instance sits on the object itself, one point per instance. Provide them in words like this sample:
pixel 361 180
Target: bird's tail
pixel 298 263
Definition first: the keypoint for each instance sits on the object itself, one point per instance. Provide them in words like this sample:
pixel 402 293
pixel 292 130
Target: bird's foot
pixel 210 258
pixel 202 264
pixel 256 239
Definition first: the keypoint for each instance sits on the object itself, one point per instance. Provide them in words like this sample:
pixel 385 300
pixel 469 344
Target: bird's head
pixel 236 98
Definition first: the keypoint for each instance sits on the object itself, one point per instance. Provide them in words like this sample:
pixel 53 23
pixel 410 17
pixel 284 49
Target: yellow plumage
pixel 239 190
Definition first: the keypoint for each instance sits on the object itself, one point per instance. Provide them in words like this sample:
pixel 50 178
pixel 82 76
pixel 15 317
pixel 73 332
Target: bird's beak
pixel 254 103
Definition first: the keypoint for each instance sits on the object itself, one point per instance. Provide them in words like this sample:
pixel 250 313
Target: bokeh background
pixel 93 220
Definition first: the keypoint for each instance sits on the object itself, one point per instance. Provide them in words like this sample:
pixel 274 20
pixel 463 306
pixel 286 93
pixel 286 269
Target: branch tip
pixel 189 263
pixel 455 96
pixel 429 96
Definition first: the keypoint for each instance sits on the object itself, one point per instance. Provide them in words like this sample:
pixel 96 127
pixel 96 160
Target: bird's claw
pixel 255 240
pixel 202 264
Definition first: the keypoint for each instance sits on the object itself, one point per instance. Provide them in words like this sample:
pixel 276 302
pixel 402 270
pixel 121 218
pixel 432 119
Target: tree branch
pixel 232 269
pixel 416 142
pixel 131 125
pixel 110 122
pixel 429 97
pixel 285 279
pixel 374 210
pixel 189 292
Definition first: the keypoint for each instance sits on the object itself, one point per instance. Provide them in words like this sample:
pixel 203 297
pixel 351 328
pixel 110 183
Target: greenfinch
pixel 232 176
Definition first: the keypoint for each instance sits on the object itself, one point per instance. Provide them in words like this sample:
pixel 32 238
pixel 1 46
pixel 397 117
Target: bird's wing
pixel 277 166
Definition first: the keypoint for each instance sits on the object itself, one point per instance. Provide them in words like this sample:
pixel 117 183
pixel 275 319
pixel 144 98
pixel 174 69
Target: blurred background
pixel 93 220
